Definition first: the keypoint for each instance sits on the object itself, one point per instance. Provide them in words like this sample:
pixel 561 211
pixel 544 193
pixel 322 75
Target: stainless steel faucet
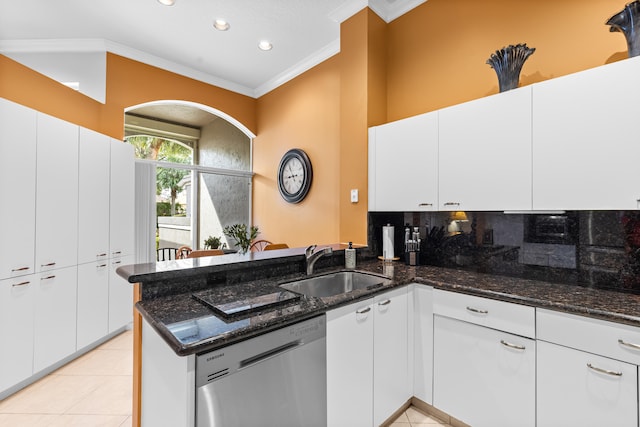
pixel 312 257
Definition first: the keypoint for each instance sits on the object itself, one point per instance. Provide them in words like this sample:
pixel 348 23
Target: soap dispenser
pixel 350 257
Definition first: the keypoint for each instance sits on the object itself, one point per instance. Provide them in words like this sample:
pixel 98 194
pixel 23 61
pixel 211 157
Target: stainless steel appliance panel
pixel 277 379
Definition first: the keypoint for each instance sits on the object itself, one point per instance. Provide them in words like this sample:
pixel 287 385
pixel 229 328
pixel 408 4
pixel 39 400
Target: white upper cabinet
pixel 56 194
pixel 403 165
pixel 17 189
pixel 485 153
pixel 122 199
pixel 586 140
pixel 93 200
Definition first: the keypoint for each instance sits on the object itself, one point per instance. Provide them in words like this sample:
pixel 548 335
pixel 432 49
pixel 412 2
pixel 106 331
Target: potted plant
pixel 212 242
pixel 241 236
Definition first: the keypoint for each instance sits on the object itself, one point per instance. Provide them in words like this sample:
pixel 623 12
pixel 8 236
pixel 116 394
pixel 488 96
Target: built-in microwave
pixel 561 228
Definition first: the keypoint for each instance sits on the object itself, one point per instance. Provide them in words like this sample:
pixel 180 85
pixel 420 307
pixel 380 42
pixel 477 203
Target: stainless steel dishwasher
pixel 274 380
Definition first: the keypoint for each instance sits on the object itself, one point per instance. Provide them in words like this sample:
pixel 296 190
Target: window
pixel 203 178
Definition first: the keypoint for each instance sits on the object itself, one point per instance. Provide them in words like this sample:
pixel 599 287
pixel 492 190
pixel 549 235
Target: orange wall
pixel 128 83
pixel 429 58
pixel 437 52
pixel 303 113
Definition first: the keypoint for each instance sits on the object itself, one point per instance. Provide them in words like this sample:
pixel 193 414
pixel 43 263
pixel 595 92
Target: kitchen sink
pixel 331 284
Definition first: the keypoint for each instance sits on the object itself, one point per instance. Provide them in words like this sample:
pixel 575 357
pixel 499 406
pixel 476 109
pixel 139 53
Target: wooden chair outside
pixel 166 254
pixel 205 252
pixel 259 245
pixel 183 251
pixel 273 246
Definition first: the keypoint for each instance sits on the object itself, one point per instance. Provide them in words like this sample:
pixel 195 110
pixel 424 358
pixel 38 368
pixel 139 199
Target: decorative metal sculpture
pixel 508 62
pixel 626 21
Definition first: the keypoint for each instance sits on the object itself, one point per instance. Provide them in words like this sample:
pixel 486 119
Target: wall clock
pixel 294 175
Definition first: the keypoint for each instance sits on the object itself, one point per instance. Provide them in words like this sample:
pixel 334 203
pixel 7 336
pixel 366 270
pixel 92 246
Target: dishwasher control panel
pixel 218 364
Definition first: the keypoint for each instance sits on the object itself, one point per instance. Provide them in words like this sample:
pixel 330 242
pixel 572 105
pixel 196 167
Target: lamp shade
pixel 458 216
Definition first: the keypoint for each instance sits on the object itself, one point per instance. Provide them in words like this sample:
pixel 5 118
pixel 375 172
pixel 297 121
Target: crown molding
pixel 389 10
pixel 306 64
pixel 100 45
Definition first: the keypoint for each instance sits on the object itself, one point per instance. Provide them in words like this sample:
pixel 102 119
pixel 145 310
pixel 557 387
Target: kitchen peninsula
pixel 536 318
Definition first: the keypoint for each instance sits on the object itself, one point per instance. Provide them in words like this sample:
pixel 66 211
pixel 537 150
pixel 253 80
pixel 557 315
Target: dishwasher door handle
pixel 254 360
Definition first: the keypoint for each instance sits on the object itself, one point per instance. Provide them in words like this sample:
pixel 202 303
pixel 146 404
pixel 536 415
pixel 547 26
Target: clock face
pixel 294 175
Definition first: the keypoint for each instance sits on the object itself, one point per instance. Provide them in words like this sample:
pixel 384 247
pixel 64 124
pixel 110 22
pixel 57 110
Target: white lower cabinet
pixel 55 317
pixel 583 389
pixel 367 360
pixel 120 295
pixel 16 330
pixel 350 365
pixel 93 302
pixel 391 387
pixel 482 376
pixel 423 343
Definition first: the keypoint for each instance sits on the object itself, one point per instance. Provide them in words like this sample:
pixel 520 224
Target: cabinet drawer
pixel 615 340
pixel 505 316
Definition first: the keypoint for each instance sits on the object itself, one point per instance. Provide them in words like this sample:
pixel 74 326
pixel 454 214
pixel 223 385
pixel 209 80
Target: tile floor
pixel 414 417
pixel 93 390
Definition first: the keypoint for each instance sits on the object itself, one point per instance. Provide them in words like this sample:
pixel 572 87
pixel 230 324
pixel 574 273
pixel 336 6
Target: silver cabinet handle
pixel 475 310
pixel 629 344
pixel 116 253
pixel 101 266
pixel 116 262
pixel 101 255
pixel 385 302
pixel 19 269
pixel 49 264
pixel 20 284
pixel 452 204
pixel 48 278
pixel 363 310
pixel 425 204
pixel 511 345
pixel 604 371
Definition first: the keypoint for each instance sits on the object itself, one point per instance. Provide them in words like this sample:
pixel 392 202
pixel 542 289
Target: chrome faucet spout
pixel 311 256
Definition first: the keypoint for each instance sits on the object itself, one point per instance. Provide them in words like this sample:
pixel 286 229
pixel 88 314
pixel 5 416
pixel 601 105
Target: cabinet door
pixel 55 317
pixel 572 393
pixel 585 139
pixel 423 343
pixel 57 194
pixel 390 354
pixel 93 199
pixel 485 153
pixel 93 302
pixel 121 217
pixel 350 365
pixel 18 188
pixel 403 165
pixel 483 377
pixel 16 330
pixel 120 295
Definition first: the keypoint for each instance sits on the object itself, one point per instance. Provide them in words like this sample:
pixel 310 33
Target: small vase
pixel 626 21
pixel 508 62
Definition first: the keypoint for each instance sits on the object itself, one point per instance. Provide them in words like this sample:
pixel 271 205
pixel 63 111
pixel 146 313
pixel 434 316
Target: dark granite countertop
pixel 190 327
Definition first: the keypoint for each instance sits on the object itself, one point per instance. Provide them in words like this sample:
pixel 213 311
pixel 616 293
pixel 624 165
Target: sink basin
pixel 328 285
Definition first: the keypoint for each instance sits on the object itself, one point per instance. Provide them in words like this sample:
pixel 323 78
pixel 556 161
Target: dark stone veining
pixel 189 327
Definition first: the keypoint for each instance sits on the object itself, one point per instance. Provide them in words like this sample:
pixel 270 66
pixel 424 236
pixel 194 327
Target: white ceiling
pixel 181 38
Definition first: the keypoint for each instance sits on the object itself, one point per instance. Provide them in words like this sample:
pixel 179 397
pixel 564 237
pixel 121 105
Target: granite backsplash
pixel 590 248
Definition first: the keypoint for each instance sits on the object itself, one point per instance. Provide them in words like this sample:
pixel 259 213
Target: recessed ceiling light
pixel 221 25
pixel 167 2
pixel 265 45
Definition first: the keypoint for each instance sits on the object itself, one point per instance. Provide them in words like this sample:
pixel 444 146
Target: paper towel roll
pixel 387 242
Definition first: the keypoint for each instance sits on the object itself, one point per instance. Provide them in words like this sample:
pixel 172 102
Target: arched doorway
pixel 194 168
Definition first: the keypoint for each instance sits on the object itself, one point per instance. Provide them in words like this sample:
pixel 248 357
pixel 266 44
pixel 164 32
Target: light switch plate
pixel 354 196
